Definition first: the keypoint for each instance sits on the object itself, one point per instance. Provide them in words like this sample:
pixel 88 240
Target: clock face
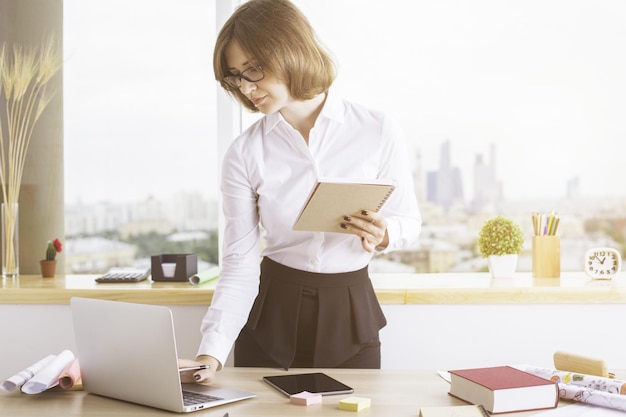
pixel 603 262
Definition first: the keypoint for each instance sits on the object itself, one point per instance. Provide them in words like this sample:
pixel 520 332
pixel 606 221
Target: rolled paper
pixel 599 383
pixel 48 377
pixel 592 396
pixel 589 389
pixel 70 375
pixel 205 276
pixel 22 377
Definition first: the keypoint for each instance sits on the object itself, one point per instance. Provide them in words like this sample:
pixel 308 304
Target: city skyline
pixel 450 185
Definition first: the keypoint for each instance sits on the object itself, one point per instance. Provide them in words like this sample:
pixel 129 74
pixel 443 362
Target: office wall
pixel 41 196
pixel 416 337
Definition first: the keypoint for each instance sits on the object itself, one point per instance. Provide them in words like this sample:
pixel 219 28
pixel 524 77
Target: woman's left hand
pixel 371 227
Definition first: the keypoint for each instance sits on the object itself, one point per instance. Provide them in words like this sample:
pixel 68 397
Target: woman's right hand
pixel 203 376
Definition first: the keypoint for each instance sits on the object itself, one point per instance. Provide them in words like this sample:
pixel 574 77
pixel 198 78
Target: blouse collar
pixel 333 109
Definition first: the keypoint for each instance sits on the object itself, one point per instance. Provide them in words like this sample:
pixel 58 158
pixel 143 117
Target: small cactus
pixel 54 246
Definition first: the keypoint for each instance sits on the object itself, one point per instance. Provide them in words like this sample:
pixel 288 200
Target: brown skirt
pixel 348 317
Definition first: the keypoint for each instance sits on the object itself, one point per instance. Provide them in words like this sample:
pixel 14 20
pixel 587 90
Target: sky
pixel 139 99
pixel 544 80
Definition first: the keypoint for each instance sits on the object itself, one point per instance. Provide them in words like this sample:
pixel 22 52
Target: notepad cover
pixel 330 201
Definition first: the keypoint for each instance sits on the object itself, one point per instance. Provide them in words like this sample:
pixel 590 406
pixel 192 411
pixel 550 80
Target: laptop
pixel 127 351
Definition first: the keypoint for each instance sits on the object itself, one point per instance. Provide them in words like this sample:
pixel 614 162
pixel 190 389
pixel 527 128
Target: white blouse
pixel 267 174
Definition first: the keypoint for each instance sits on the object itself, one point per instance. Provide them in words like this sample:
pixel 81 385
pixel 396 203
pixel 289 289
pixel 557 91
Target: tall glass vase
pixel 10 240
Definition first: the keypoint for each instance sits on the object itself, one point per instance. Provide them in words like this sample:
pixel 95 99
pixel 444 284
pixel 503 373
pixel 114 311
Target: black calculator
pixel 124 274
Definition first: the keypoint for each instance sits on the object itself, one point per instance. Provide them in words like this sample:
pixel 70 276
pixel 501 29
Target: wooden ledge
pixel 399 289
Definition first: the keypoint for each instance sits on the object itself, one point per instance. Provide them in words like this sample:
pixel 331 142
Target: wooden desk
pixel 393 394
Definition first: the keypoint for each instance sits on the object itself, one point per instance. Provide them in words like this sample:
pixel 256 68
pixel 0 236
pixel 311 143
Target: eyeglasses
pixel 252 75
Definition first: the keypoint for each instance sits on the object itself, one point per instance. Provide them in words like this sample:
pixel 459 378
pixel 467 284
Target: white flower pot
pixel 502 266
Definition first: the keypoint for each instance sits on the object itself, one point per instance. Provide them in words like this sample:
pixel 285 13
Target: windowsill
pixel 480 288
pixel 442 288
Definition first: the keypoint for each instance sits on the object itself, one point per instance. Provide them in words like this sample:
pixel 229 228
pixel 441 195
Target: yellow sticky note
pixel 354 403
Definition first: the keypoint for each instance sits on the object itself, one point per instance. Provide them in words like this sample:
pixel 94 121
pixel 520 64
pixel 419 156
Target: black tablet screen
pixel 318 383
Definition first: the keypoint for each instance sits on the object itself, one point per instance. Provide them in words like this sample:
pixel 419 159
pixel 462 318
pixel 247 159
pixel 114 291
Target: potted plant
pixel 500 240
pixel 49 265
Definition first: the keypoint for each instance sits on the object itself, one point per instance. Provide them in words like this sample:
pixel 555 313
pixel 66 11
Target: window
pixel 140 138
pixel 508 107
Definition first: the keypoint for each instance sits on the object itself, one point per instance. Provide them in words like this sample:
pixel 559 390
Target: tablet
pixel 317 383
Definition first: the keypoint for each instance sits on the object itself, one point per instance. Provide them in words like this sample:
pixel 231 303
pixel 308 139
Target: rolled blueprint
pixel 20 378
pixel 48 377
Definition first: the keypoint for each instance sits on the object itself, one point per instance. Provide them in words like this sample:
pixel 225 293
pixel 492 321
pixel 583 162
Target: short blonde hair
pixel 281 40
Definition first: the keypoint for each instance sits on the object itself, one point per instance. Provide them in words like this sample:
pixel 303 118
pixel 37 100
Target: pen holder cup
pixel 184 266
pixel 546 257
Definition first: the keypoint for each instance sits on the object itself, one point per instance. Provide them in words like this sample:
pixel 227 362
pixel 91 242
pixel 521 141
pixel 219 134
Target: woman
pixel 309 302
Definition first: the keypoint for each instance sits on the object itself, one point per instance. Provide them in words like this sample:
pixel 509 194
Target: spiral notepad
pixel 331 200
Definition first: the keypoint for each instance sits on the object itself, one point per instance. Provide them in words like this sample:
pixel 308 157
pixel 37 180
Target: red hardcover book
pixel 503 389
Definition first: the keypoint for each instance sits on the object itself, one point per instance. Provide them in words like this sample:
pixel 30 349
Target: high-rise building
pixel 445 187
pixel 573 188
pixel 487 189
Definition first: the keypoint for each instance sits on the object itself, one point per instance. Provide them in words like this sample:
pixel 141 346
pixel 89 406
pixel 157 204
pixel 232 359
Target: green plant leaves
pixel 500 236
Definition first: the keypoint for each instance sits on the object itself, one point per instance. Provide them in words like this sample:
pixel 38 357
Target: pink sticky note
pixel 305 398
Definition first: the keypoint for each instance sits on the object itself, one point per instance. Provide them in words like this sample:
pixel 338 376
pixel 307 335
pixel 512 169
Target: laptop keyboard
pixel 191 398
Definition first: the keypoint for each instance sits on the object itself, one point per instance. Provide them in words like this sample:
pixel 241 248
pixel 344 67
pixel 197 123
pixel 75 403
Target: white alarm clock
pixel 603 262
